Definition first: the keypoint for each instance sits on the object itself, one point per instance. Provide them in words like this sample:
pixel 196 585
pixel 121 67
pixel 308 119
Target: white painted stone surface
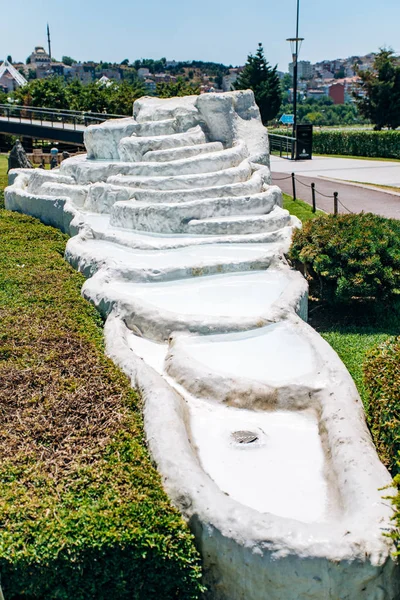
pixel 182 241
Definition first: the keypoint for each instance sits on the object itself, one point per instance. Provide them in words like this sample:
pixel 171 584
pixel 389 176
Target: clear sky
pixel 216 30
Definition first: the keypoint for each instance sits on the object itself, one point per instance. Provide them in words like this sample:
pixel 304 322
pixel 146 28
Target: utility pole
pixel 49 42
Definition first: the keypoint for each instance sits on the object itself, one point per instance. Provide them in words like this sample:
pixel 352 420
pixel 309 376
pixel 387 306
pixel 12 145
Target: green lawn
pixel 300 209
pixel 82 508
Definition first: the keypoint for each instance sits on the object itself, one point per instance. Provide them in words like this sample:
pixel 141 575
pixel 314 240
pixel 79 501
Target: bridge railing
pixel 60 118
pixel 283 144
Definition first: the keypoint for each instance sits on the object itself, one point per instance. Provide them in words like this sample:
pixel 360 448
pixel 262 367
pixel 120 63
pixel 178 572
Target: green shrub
pixel 382 380
pixel 349 258
pixel 396 517
pixel 376 144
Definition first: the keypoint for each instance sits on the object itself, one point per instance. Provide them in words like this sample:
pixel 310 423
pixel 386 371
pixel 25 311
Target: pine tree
pixel 260 77
pixel 380 101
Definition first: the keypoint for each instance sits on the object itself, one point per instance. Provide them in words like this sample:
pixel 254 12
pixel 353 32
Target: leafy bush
pixel 349 258
pixel 382 381
pixel 83 514
pixel 396 517
pixel 376 144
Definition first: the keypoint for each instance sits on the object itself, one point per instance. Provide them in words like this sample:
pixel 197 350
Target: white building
pixel 143 73
pixel 39 58
pixel 10 78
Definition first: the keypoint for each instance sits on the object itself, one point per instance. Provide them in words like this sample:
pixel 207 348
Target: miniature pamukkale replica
pixel 255 425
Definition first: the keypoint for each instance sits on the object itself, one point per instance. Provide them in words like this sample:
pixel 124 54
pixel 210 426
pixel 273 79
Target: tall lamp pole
pixel 295 44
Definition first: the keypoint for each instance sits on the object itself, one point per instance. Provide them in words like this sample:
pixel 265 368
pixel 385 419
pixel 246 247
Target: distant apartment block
pixel 143 73
pixel 85 72
pixel 317 93
pixel 337 93
pixel 150 85
pixel 304 69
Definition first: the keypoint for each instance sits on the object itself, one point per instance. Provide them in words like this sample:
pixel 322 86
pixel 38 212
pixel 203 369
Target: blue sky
pixel 218 30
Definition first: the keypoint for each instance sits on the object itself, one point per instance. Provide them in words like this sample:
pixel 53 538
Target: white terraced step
pixel 88 256
pixel 102 141
pixel 181 182
pixel 155 128
pixel 171 218
pixel 179 153
pixel 254 185
pixel 102 196
pixel 77 193
pixel 133 148
pixel 38 177
pixel 101 229
pixel 92 171
pixel 211 304
pixel 203 163
pixel 276 219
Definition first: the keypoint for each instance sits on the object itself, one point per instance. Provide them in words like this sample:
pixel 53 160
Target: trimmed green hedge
pixel 349 258
pixel 83 514
pixel 382 380
pixel 376 144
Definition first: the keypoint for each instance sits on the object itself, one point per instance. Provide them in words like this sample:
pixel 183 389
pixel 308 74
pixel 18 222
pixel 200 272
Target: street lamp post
pixel 295 44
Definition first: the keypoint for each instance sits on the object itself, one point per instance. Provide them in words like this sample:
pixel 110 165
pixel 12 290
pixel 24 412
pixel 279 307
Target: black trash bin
pixel 304 134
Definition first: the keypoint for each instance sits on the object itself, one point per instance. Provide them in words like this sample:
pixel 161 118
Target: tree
pixel 47 93
pixel 125 62
pixel 378 97
pixel 67 60
pixel 286 82
pixel 340 74
pixel 121 96
pixel 9 58
pixel 178 88
pixel 258 76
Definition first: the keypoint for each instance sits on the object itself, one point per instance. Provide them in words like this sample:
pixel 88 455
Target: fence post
pixel 335 203
pixel 294 186
pixel 314 205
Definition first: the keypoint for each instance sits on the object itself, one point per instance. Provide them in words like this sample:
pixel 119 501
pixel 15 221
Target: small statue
pixel 18 158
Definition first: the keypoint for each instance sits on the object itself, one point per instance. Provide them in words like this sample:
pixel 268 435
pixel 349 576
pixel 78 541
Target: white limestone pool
pixel 282 472
pixel 234 295
pixel 272 354
pixel 177 257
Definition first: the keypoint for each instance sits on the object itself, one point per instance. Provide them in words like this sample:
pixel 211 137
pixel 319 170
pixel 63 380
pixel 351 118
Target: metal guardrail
pixel 55 117
pixel 284 144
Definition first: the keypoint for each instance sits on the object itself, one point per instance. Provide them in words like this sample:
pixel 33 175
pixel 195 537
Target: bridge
pixel 49 123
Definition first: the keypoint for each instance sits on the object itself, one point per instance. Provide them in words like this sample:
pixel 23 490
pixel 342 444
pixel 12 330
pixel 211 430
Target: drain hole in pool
pixel 244 437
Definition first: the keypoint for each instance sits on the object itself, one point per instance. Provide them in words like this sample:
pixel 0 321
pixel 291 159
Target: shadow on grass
pixel 353 332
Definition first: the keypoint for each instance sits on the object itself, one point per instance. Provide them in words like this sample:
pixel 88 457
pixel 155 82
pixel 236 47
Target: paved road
pixel 346 169
pixel 354 198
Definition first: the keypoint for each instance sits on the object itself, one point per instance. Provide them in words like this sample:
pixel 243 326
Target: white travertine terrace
pixel 255 424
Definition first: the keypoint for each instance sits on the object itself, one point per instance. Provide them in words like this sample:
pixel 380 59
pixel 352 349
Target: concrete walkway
pixel 346 169
pixel 352 198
